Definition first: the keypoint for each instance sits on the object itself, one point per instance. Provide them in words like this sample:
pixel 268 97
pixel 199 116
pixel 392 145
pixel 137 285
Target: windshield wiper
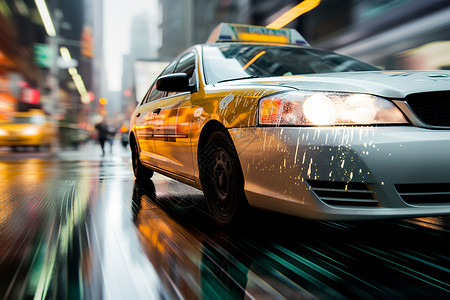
pixel 239 78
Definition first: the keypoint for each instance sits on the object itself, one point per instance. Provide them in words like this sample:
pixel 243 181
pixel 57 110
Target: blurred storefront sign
pixel 43 55
pixel 30 95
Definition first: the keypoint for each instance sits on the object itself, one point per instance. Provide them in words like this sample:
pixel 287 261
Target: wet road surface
pixel 77 226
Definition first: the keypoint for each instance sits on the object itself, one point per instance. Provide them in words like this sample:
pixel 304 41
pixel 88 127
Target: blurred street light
pixel 45 16
pixel 65 54
pixel 103 101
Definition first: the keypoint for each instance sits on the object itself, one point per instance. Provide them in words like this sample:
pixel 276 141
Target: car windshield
pixel 28 120
pixel 224 62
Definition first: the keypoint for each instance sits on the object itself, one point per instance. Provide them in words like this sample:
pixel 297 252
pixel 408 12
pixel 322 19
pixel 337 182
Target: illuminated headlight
pixel 320 108
pixel 3 132
pixel 30 131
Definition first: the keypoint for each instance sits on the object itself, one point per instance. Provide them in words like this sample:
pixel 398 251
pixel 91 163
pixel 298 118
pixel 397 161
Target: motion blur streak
pixel 294 13
pixel 125 270
pixel 67 233
pixel 286 258
pixel 45 16
pixel 82 228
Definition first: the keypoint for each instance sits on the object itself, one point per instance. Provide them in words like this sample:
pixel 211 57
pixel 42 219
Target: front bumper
pixel 346 173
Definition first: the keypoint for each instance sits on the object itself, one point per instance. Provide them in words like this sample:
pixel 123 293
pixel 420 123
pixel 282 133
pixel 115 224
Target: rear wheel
pixel 222 180
pixel 139 170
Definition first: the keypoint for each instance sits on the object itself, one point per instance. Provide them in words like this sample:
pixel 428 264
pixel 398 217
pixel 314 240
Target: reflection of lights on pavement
pixel 126 270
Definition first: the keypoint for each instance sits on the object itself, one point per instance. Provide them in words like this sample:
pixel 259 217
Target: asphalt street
pixel 76 225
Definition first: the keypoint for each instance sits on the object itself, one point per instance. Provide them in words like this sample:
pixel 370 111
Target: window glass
pixel 153 93
pixel 38 119
pixel 186 65
pixel 225 62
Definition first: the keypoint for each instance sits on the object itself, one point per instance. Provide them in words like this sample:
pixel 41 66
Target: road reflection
pixel 278 257
pixel 84 229
pixel 66 232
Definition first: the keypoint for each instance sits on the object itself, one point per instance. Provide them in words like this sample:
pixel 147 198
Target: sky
pixel 116 26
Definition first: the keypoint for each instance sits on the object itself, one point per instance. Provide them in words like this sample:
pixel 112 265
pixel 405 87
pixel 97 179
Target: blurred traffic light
pixel 102 101
pixel 86 42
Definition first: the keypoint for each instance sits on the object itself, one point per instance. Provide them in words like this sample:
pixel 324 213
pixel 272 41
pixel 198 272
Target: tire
pixel 139 170
pixel 222 180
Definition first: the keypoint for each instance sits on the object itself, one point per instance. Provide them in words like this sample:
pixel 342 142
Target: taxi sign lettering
pixel 226 32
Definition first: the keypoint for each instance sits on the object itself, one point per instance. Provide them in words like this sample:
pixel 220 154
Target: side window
pixel 186 64
pixel 153 93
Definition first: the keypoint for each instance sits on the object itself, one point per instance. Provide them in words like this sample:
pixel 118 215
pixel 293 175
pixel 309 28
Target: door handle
pixel 157 110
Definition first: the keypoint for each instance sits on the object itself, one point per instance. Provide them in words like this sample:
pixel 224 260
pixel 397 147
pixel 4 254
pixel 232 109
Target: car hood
pixel 390 84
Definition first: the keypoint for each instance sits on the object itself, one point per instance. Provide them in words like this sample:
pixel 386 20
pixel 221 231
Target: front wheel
pixel 222 180
pixel 139 170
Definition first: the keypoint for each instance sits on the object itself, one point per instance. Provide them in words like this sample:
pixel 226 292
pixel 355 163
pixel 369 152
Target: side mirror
pixel 177 82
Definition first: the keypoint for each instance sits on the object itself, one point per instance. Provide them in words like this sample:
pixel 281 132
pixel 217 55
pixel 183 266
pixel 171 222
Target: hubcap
pixel 223 180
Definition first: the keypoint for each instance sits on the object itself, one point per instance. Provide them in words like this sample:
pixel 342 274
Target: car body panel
pixel 277 164
pixel 172 135
pixel 390 84
pixel 143 129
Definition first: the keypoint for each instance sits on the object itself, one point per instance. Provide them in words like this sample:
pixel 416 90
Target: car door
pixel 171 125
pixel 145 118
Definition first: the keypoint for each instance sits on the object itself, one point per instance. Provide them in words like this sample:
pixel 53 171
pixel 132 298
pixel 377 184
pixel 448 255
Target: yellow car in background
pixel 25 129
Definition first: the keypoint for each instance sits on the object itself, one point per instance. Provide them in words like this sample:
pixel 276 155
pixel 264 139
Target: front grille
pixel 343 193
pixel 431 108
pixel 424 194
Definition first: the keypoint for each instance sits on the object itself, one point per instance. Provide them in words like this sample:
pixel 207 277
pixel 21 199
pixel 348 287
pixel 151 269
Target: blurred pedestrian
pixel 124 131
pixel 111 135
pixel 103 131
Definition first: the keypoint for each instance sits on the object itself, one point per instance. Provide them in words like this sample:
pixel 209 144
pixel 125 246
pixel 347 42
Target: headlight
pixel 30 131
pixel 3 131
pixel 325 108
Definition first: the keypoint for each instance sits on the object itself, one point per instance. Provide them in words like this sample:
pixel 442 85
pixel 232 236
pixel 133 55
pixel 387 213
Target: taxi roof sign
pixel 226 32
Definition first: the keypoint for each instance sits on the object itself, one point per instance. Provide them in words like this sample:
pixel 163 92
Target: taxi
pixel 256 117
pixel 24 129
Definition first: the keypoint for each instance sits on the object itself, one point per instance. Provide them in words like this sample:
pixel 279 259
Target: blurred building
pixel 388 33
pixel 145 40
pixel 190 22
pixel 32 71
pixel 97 83
pixel 19 75
pixel 395 34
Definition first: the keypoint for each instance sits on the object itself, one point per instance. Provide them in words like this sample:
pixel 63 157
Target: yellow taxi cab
pixel 24 129
pixel 258 118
